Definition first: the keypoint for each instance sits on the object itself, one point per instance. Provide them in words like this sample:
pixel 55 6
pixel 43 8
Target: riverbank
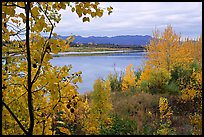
pixel 96 48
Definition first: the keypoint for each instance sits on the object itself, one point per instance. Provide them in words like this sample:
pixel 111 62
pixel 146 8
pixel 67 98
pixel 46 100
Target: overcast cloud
pixel 137 18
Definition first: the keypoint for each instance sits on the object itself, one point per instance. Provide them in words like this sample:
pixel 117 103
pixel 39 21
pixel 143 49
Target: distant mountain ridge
pixel 130 40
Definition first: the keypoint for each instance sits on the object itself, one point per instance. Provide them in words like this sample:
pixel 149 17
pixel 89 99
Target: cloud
pixel 137 18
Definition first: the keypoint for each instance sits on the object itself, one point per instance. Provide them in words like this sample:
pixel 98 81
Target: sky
pixel 136 18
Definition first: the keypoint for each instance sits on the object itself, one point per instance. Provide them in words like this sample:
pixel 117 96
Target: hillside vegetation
pixel 164 98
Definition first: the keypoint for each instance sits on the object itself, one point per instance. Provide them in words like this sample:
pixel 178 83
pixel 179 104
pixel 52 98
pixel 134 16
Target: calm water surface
pixel 93 67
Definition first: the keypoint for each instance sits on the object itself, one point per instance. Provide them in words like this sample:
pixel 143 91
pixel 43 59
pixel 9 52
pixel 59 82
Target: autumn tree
pixel 175 63
pixel 99 117
pixel 33 91
pixel 162 52
pixel 129 78
pixel 173 56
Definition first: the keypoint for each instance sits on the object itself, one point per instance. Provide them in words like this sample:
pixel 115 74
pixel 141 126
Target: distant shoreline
pixel 92 53
pixel 88 53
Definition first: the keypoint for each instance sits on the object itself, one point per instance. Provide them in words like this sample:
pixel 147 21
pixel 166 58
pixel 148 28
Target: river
pixel 93 67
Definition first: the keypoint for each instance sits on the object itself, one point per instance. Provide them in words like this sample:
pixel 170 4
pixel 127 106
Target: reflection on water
pixel 93 67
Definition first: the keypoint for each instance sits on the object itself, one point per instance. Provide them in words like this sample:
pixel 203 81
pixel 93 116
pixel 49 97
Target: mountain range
pixel 125 40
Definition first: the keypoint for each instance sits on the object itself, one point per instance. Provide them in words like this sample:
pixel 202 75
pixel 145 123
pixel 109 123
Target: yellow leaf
pixel 109 12
pixel 21 4
pixel 79 14
pixel 75 80
pixel 62 4
pixel 34 11
pixel 23 17
pixel 73 9
pixel 50 3
pixel 86 19
pixel 80 80
pixel 11 11
pixel 89 11
pixel 55 35
pixel 84 12
pixel 64 130
pixel 93 14
pixel 100 14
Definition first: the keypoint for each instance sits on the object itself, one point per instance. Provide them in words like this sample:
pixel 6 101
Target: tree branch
pixel 14 5
pixel 59 100
pixel 16 119
pixel 44 47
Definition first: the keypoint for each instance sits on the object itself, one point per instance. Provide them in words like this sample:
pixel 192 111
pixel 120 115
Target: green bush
pixel 138 74
pixel 172 88
pixel 157 82
pixel 121 127
pixel 115 81
pixel 181 76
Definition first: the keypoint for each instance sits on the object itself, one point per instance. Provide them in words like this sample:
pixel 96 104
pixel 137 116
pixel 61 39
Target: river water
pixel 93 67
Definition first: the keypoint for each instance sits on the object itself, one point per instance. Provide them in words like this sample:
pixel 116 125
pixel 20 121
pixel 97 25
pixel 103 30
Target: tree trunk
pixel 30 104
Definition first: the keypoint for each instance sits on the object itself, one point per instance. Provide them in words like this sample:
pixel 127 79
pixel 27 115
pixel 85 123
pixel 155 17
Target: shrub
pixel 101 106
pixel 172 88
pixel 129 80
pixel 138 74
pixel 166 114
pixel 115 81
pixel 141 108
pixel 121 126
pixel 157 82
pixel 196 121
pixel 182 75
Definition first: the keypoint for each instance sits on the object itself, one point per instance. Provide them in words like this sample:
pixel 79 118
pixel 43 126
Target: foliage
pixel 33 91
pixel 182 76
pixel 121 126
pixel 193 94
pixel 78 110
pixel 140 108
pixel 138 74
pixel 156 82
pixel 196 121
pixel 165 50
pixel 165 118
pixel 101 106
pixel 164 53
pixel 129 78
pixel 115 81
pixel 193 91
pixel 43 100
